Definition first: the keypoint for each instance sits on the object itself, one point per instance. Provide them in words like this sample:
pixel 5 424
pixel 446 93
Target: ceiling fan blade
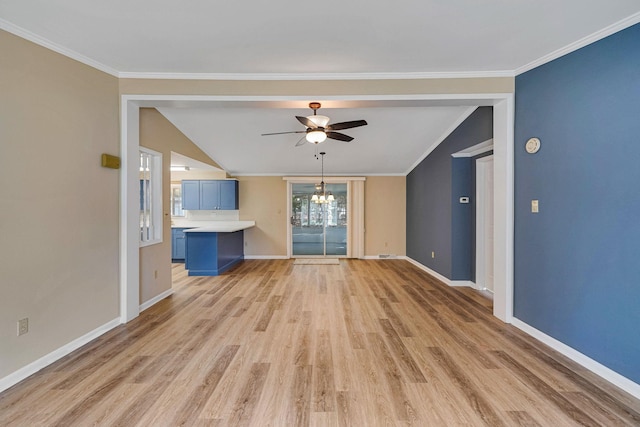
pixel 282 133
pixel 339 136
pixel 347 125
pixel 308 123
pixel 302 141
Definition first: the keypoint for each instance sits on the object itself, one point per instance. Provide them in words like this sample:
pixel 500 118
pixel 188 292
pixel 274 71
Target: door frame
pixel 503 128
pixel 315 180
pixel 481 220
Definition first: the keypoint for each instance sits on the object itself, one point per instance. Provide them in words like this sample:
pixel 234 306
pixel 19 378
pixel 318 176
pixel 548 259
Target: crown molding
pixel 592 38
pixel 318 76
pixel 41 41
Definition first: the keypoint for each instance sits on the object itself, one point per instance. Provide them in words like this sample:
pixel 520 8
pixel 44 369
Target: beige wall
pixel 385 215
pixel 317 88
pixel 178 176
pixel 59 209
pixel 159 134
pixel 264 200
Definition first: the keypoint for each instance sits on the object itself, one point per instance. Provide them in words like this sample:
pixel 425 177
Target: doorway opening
pixel 318 229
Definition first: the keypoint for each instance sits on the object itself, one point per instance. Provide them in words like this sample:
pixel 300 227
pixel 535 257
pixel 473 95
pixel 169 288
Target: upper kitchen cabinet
pixel 210 194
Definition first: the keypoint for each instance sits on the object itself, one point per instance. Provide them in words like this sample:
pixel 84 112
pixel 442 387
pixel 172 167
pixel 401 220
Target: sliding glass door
pixel 319 229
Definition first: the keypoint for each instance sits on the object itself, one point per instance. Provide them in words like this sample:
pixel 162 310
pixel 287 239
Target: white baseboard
pixel 597 368
pixel 155 299
pixel 430 271
pixel 44 361
pixel 266 257
pixel 465 283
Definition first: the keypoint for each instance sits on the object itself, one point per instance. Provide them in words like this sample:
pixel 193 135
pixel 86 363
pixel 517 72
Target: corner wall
pixel 159 134
pixel 576 262
pixel 429 197
pixel 59 217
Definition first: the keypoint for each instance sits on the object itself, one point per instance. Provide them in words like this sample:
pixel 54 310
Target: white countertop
pixel 214 226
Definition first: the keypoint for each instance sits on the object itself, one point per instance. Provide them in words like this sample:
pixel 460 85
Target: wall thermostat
pixel 532 145
pixel 464 200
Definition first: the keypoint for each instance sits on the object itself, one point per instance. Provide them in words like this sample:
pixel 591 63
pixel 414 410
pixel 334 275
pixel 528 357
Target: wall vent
pixel 385 256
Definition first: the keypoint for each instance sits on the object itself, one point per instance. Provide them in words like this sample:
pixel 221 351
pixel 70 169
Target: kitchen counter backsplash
pixel 200 218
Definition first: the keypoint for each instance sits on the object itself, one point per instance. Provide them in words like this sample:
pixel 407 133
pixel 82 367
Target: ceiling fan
pixel 318 129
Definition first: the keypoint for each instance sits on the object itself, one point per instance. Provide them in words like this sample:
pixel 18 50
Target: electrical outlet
pixel 433 254
pixel 23 326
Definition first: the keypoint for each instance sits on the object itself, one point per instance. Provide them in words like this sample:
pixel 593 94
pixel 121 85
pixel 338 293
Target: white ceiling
pixel 394 139
pixel 329 39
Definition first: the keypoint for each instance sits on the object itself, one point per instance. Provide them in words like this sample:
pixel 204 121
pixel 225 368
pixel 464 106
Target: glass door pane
pixel 319 229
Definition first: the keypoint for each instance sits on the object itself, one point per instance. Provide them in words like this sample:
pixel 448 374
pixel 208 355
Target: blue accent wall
pixel 577 262
pixel 435 220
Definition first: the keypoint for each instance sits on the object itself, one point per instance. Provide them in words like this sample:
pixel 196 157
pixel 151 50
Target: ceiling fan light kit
pixel 316 136
pixel 319 129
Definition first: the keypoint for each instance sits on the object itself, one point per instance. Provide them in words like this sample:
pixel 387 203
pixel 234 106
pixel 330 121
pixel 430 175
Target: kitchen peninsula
pixel 214 248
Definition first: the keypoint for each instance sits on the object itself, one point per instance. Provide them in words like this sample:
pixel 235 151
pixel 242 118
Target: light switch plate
pixel 535 206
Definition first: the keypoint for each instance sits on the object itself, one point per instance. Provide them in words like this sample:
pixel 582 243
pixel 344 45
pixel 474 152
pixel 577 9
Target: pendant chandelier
pixel 321 195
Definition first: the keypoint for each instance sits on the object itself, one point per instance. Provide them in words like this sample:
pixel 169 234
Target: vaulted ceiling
pixel 332 39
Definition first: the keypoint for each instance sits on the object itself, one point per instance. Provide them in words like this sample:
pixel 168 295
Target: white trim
pixel 318 76
pixel 572 47
pixel 155 300
pixel 503 201
pixel 480 221
pixel 41 41
pixel 288 174
pixel 597 368
pixel 129 220
pixel 462 283
pixel 476 99
pixel 355 211
pixel 338 179
pixel 430 271
pixel 503 150
pixel 33 367
pixel 266 257
pixel 288 218
pixel 446 133
pixel 475 150
pixel 157 200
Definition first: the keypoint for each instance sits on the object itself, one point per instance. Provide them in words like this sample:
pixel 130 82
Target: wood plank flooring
pixel 362 343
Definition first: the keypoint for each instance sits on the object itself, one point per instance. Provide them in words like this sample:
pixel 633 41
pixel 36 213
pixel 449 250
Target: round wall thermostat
pixel 532 145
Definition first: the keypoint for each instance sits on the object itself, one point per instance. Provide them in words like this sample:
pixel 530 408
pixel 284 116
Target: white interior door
pixel 484 223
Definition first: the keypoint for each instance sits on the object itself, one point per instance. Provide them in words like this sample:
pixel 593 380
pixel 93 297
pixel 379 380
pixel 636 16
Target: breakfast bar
pixel 213 249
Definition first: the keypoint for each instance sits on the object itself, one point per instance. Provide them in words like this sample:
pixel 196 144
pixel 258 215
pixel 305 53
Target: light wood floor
pixel 363 343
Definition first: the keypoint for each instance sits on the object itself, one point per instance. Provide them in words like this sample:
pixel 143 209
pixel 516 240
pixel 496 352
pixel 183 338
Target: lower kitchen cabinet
pixel 178 244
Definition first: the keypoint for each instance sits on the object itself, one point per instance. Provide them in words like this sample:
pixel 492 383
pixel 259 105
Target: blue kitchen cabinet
pixel 190 195
pixel 228 195
pixel 210 195
pixel 178 245
pixel 213 253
